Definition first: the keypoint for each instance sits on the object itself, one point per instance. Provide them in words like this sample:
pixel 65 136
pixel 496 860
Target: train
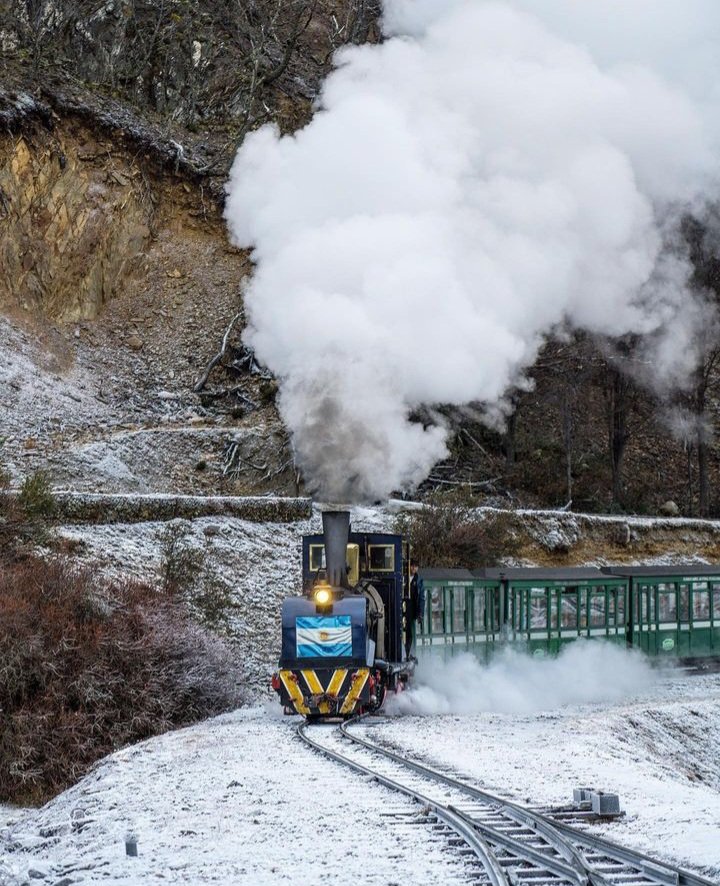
pixel 345 642
pixel 351 638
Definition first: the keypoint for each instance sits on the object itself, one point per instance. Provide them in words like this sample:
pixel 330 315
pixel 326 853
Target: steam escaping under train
pixel 351 637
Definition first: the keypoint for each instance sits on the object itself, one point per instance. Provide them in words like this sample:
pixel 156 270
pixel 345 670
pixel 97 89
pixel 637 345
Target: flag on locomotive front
pixel 323 636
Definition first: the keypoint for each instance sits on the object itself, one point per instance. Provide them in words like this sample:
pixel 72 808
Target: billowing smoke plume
pixel 491 171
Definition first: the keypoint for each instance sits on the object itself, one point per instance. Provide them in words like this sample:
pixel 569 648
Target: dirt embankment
pixel 553 538
pixel 117 283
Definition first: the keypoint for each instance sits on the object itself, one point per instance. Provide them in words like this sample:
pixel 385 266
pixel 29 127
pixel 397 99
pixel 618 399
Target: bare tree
pixel 703 239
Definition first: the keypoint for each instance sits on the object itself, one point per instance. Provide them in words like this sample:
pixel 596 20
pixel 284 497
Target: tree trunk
pixel 509 440
pixel 618 432
pixel 703 483
pixel 568 442
pixel 701 443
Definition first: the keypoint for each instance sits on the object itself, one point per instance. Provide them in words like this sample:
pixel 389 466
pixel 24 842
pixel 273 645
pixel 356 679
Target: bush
pixel 25 517
pixel 454 535
pixel 36 498
pixel 86 668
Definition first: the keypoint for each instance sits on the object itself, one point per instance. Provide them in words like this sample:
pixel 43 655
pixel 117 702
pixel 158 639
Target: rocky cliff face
pixel 117 282
pixel 116 286
pixel 77 219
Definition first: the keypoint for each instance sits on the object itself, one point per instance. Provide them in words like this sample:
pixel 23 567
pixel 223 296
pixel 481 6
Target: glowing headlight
pixel 322 596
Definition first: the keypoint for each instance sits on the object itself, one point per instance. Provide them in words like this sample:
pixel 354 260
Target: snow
pixel 241 800
pixel 237 799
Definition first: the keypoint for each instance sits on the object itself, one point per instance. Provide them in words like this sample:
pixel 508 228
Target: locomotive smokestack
pixel 336 529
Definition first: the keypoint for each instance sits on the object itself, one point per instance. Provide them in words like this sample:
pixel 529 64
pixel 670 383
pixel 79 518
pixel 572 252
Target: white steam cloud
pixel 491 171
pixel 585 672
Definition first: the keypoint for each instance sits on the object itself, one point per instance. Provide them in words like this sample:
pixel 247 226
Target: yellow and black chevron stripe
pixel 327 692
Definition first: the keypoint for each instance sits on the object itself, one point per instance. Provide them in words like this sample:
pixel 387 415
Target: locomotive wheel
pixel 382 695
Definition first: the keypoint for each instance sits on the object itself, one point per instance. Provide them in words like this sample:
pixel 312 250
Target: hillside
pixel 118 282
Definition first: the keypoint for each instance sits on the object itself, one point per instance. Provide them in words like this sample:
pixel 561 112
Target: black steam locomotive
pixel 344 641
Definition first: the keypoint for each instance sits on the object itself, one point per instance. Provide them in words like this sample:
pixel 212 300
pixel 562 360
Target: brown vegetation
pixel 591 434
pixel 452 534
pixel 86 668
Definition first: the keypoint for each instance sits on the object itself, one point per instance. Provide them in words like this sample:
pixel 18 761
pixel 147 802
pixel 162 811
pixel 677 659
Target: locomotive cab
pixel 343 640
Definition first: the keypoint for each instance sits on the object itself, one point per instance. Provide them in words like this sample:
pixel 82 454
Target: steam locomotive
pixel 344 640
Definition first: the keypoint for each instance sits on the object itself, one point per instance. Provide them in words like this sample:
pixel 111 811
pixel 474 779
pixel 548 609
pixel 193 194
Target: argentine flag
pixel 323 636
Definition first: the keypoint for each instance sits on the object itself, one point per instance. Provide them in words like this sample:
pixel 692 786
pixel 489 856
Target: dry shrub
pixel 449 534
pixel 86 668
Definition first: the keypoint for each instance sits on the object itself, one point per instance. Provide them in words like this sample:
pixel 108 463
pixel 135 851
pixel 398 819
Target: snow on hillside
pixel 236 800
pixel 240 800
pixel 248 568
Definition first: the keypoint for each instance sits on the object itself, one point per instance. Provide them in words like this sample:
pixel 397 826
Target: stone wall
pixel 105 508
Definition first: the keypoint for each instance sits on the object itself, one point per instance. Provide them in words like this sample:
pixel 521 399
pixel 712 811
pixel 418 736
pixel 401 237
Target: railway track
pixel 507 844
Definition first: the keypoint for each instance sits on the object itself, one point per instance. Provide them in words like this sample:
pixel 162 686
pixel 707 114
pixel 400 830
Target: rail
pixel 514 845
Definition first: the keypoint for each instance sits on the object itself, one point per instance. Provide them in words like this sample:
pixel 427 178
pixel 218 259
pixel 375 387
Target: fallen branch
pixel 220 354
pixel 474 483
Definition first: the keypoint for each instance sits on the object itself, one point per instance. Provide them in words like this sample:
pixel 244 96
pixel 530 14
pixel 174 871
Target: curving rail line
pixel 514 846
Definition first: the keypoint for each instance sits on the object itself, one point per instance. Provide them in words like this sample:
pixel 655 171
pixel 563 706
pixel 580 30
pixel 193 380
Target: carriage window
pixel 437 608
pixel 701 602
pixel 684 601
pixel 493 612
pixel 479 609
pixel 641 597
pixel 585 598
pixel 619 596
pixel 597 610
pixel 538 608
pixel 458 610
pixel 519 610
pixel 667 606
pixel 568 608
pixel 554 597
pixel 716 600
pixel 382 558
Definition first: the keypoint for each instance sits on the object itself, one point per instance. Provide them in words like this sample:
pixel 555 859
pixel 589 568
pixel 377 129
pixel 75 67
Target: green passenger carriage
pixel 675 609
pixel 663 611
pixel 462 613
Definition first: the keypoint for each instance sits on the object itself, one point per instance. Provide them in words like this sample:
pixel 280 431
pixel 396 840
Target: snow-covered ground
pixel 239 800
pixel 236 800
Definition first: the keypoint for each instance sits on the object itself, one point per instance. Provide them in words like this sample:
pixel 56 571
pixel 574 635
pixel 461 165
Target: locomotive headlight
pixel 323 596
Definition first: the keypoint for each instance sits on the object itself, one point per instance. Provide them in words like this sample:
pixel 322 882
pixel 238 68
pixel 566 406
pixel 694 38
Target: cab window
pixel 381 558
pixel 317 561
pixel 317 557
